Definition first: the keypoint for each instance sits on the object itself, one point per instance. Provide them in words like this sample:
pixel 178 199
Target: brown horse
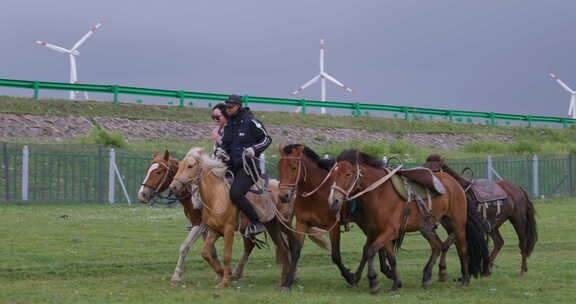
pixel 518 209
pixel 305 181
pixel 220 215
pixel 160 174
pixel 357 173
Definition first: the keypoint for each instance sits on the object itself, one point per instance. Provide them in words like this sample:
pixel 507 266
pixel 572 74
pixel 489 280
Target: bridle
pixel 302 168
pixel 166 176
pixel 371 187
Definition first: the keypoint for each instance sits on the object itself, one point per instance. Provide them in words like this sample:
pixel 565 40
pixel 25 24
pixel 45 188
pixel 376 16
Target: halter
pixel 371 187
pixel 195 180
pixel 301 168
pixel 168 173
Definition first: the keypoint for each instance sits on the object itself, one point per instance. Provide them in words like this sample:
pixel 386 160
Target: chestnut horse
pixel 518 209
pixel 220 215
pixel 359 174
pixel 305 181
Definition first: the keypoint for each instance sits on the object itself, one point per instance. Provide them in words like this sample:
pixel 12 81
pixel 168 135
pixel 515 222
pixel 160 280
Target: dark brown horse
pixel 305 181
pixel 357 173
pixel 518 209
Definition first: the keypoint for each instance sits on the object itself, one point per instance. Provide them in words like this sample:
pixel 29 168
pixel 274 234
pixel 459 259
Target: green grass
pixel 119 254
pixel 18 105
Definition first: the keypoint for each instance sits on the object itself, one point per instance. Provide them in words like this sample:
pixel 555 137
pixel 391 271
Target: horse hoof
pixel 221 286
pixel 235 277
pixel 427 284
pixel 394 288
pixel 174 283
pixel 443 277
pixel 376 289
pixel 284 289
pixel 523 274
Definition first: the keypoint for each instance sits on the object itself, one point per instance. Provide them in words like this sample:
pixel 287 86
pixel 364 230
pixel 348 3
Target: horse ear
pixel 200 151
pixel 166 155
pixel 281 149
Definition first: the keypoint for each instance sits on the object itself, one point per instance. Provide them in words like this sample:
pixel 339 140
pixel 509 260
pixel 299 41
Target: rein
pixel 302 168
pixel 357 178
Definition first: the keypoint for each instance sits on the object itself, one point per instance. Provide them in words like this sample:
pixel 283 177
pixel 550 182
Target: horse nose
pixel 143 197
pixel 284 198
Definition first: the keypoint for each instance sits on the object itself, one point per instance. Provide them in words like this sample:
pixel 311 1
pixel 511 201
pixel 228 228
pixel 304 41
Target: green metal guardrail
pixel 356 107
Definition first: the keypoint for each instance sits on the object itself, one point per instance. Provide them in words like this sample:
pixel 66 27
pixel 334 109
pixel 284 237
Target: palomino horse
pixel 305 180
pixel 518 209
pixel 359 174
pixel 159 176
pixel 220 215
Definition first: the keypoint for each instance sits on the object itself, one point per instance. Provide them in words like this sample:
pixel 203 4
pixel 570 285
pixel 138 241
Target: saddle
pixel 424 177
pixel 264 202
pixel 485 190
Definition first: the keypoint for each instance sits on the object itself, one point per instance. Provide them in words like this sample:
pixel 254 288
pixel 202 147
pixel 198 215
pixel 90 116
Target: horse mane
pixel 436 163
pixel 217 167
pixel 353 156
pixel 325 164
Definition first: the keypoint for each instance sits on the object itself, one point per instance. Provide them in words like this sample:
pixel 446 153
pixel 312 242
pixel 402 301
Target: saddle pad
pixel 485 190
pixel 398 184
pixel 263 204
pixel 424 177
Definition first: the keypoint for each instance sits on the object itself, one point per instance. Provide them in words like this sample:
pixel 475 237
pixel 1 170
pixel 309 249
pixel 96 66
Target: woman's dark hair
pixel 222 108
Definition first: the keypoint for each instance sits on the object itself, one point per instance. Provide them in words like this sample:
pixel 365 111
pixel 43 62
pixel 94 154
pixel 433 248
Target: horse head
pixel 189 171
pixel 291 171
pixel 159 175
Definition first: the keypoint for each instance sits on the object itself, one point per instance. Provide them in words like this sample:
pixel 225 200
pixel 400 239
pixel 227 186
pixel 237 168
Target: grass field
pixel 78 253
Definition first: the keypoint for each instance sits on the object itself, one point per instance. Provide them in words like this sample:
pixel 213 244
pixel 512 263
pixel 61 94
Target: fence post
pixel 6 171
pixel 25 172
pixel 100 176
pixel 570 174
pixel 111 176
pixel 535 184
pixel 263 163
pixel 303 105
pixel 181 96
pixel 489 167
pixel 36 89
pixel 115 91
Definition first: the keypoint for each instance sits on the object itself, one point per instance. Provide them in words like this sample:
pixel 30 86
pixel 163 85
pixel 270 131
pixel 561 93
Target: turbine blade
pixel 90 32
pixel 53 47
pixel 309 83
pixel 562 84
pixel 338 83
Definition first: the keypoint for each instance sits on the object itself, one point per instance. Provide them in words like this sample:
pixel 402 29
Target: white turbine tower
pixel 322 77
pixel 572 108
pixel 72 53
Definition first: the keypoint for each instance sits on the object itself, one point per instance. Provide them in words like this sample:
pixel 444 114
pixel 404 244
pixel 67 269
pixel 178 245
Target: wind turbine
pixel 322 77
pixel 572 108
pixel 72 53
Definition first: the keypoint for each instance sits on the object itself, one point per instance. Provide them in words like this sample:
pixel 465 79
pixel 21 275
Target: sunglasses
pixel 216 117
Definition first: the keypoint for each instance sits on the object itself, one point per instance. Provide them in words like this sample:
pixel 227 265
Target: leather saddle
pixel 424 177
pixel 485 190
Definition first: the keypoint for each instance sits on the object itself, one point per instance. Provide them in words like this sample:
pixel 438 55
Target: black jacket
pixel 243 131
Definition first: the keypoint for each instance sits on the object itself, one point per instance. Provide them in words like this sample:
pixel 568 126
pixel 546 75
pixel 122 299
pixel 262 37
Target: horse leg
pixel 239 269
pixel 436 246
pixel 375 286
pixel 207 252
pixel 461 246
pixel 384 268
pixel 295 250
pixel 371 247
pixel 442 266
pixel 337 258
pixel 520 228
pixel 228 242
pixel 190 239
pixel 388 250
pixel 498 244
pixel 282 251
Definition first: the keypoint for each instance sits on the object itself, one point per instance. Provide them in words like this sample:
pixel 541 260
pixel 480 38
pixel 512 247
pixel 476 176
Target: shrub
pixel 526 147
pixel 101 137
pixel 486 146
pixel 402 147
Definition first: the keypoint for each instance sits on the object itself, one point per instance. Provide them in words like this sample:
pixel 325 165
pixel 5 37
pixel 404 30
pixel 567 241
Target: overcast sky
pixel 491 55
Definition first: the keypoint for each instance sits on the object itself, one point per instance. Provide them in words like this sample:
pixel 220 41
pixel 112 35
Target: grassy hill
pixel 527 140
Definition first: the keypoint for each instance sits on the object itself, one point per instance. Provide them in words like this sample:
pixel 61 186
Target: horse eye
pixel 158 173
pixel 348 174
pixel 189 166
pixel 293 169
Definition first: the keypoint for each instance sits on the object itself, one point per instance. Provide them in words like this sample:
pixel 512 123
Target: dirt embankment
pixel 60 127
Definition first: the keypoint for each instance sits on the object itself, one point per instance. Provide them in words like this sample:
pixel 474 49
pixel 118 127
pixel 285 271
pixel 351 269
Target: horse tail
pixel 530 227
pixel 318 236
pixel 477 243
